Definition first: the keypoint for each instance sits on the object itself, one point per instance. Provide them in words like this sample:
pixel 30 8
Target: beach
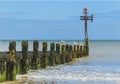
pixel 102 66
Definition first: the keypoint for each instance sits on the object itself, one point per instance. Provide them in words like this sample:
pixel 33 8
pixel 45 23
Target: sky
pixel 58 19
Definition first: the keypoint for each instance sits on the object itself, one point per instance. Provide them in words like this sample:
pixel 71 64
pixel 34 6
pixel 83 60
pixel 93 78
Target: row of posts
pixel 64 53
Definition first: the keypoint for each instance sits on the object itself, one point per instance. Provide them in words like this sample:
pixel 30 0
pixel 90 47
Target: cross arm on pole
pixel 87 18
pixel 90 18
pixel 82 18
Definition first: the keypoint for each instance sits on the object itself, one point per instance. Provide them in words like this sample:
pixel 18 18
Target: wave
pixel 76 73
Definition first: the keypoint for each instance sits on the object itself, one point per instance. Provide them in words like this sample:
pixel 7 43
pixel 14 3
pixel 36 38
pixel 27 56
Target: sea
pixel 102 66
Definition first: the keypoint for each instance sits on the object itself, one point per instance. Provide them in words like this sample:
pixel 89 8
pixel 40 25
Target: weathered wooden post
pixel 70 52
pixel 62 54
pixel 87 47
pixel 74 51
pixel 87 50
pixel 43 59
pixel 67 57
pixel 83 49
pixel 78 51
pixel 52 54
pixel 81 53
pixel 11 63
pixel 24 67
pixel 35 63
pixel 2 70
pixel 57 58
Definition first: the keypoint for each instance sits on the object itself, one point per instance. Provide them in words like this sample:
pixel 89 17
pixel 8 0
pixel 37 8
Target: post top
pixel 85 10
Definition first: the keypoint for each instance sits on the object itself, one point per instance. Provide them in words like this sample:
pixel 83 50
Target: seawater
pixel 102 66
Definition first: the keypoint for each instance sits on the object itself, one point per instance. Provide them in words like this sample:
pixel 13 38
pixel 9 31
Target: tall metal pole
pixel 86 18
pixel 86 33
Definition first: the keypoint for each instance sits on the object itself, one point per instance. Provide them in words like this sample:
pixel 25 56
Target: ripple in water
pixel 81 73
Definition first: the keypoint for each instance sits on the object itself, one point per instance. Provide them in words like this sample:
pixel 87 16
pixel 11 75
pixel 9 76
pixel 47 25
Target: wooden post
pixel 35 60
pixel 78 51
pixel 87 50
pixel 83 50
pixel 52 54
pixel 74 51
pixel 11 64
pixel 62 54
pixel 43 59
pixel 2 70
pixel 86 47
pixel 67 57
pixel 81 54
pixel 57 58
pixel 70 52
pixel 24 67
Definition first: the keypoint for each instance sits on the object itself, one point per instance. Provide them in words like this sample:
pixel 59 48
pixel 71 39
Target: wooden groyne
pixel 20 62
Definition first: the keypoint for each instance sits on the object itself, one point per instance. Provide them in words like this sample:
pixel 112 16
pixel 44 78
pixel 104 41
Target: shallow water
pixel 102 66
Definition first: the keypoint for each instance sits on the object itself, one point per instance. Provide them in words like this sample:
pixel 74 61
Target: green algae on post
pixel 74 51
pixel 2 70
pixel 62 61
pixel 52 54
pixel 11 63
pixel 57 57
pixel 24 67
pixel 44 60
pixel 35 63
pixel 70 52
pixel 67 58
